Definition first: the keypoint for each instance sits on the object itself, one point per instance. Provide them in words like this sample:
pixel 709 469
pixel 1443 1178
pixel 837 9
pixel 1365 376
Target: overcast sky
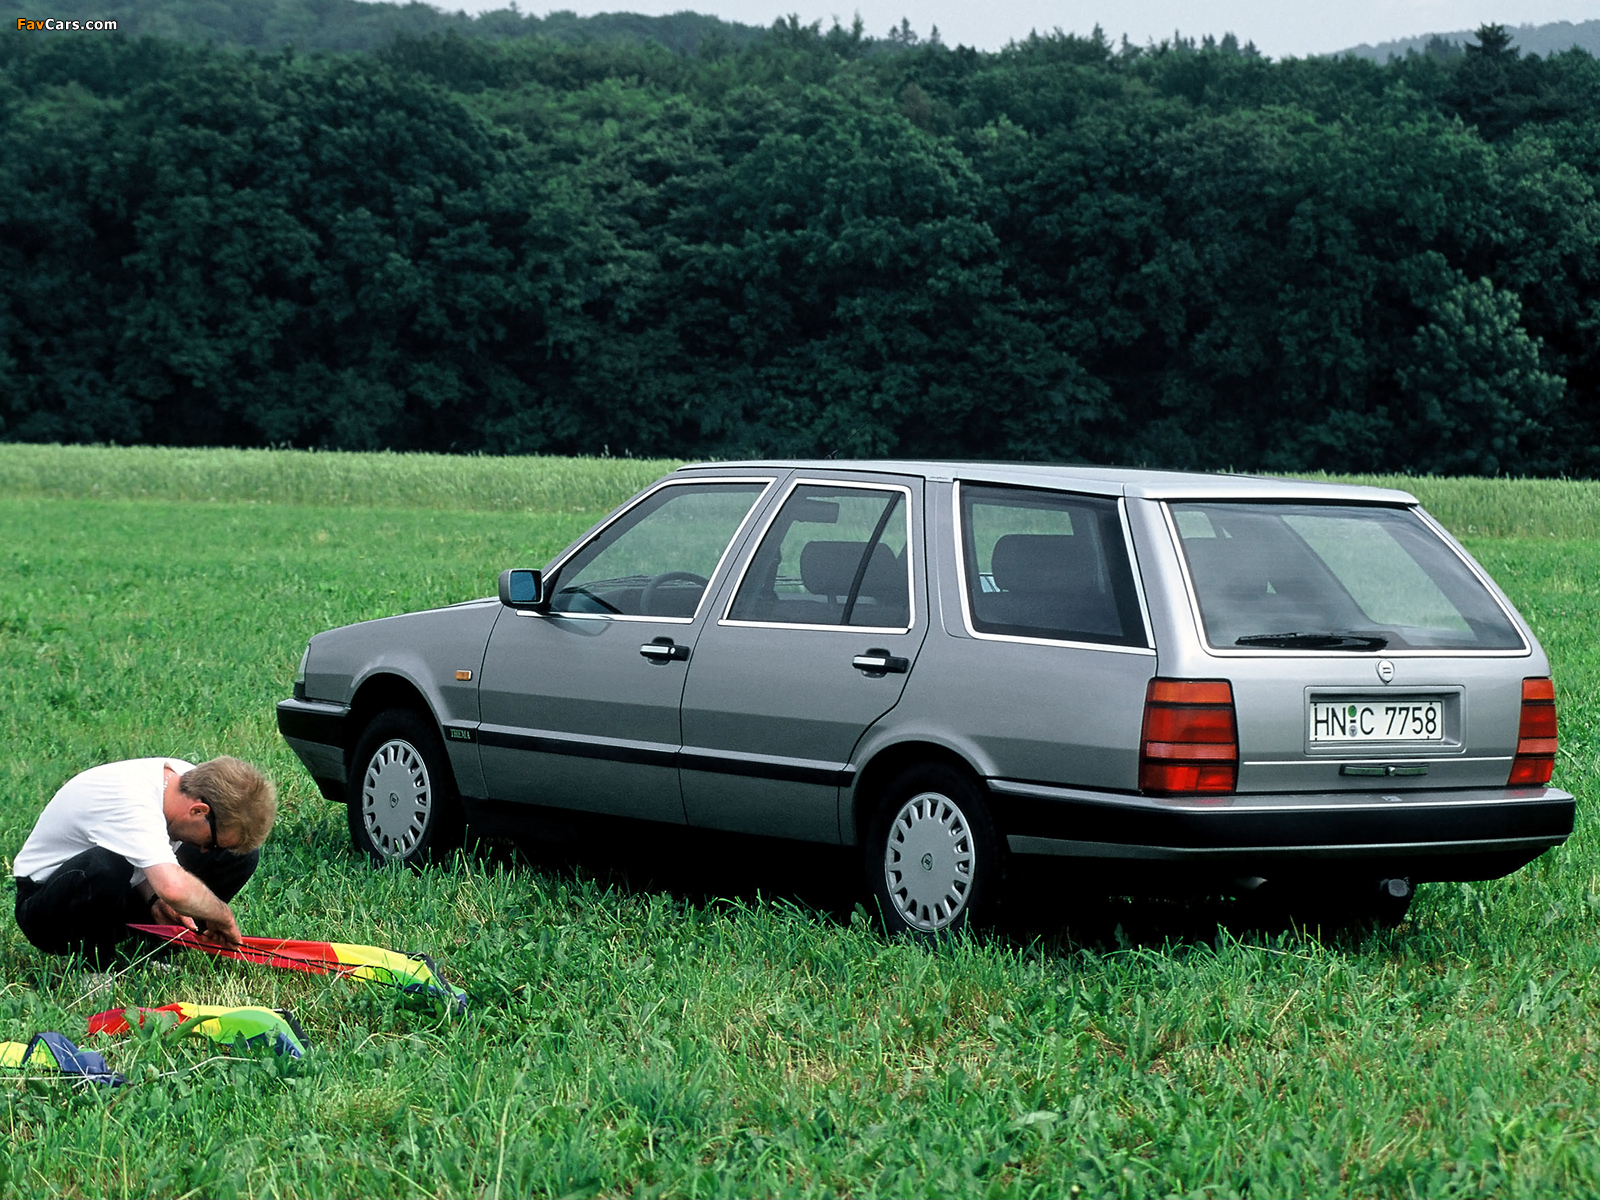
pixel 1278 27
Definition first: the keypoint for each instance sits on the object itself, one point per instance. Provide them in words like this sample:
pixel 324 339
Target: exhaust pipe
pixel 1397 889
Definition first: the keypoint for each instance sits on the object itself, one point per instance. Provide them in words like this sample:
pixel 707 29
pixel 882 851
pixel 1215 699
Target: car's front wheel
pixel 932 858
pixel 402 800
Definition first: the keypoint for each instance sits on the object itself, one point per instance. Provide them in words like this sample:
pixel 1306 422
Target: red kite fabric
pixel 413 974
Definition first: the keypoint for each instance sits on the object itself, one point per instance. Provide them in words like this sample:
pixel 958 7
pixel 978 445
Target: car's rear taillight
pixel 1191 742
pixel 1536 737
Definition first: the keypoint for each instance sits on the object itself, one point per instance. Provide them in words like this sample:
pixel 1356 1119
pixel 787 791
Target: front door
pixel 815 646
pixel 580 704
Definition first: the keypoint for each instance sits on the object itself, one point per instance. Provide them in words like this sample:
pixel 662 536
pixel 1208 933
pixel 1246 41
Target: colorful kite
pixel 413 974
pixel 273 1028
pixel 54 1053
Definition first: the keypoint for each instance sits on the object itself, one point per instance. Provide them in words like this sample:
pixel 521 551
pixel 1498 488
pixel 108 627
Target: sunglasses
pixel 211 820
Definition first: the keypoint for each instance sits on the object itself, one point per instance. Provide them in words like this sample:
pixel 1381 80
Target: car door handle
pixel 881 662
pixel 663 649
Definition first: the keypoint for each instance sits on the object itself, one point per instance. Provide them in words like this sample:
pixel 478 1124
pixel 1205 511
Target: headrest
pixel 1046 562
pixel 829 568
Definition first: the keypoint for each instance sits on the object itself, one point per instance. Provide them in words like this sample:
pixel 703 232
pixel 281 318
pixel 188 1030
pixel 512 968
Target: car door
pixel 579 703
pixel 814 644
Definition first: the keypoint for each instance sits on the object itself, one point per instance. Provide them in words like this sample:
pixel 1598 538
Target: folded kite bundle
pixel 272 1028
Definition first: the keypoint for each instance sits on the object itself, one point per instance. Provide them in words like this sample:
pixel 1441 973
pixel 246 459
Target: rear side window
pixel 1334 577
pixel 1048 565
pixel 834 555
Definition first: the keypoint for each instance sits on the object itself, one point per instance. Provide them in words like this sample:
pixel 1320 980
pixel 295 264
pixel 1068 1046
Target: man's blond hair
pixel 242 799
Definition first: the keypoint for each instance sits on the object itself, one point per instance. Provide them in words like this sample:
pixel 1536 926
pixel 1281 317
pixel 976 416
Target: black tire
pixel 400 771
pixel 932 861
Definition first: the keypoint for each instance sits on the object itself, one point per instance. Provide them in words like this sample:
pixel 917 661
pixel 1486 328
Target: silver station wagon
pixel 1153 677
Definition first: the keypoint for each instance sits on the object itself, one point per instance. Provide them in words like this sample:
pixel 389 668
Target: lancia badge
pixel 1385 670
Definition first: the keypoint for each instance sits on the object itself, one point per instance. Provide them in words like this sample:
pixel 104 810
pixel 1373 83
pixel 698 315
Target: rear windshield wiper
pixel 1315 641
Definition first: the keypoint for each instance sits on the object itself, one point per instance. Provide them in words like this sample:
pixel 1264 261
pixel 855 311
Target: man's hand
pixel 186 896
pixel 162 913
pixel 222 932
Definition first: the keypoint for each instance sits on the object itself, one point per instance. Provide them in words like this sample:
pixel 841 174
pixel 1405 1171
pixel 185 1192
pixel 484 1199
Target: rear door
pixel 814 643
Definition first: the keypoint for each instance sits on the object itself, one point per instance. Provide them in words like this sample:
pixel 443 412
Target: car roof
pixel 1110 481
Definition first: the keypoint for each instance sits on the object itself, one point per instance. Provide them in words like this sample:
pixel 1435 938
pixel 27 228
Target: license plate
pixel 1377 721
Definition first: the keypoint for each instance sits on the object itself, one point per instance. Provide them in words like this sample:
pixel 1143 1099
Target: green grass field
pixel 668 1030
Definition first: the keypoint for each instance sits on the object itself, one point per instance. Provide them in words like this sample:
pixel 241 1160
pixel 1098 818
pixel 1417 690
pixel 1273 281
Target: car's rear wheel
pixel 933 862
pixel 402 800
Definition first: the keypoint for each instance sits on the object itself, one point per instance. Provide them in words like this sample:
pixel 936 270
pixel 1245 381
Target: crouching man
pixel 151 840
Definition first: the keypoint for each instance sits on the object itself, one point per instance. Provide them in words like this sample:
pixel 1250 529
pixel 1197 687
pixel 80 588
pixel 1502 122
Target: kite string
pixel 107 978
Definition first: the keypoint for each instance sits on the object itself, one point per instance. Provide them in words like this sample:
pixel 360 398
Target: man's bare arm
pixel 187 895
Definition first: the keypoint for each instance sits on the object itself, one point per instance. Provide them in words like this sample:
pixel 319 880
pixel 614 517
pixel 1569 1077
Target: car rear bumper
pixel 1478 833
pixel 315 731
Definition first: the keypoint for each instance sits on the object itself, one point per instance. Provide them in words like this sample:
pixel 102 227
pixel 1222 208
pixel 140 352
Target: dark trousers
pixel 85 906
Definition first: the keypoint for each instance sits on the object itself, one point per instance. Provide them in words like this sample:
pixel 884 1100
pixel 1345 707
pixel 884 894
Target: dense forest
pixel 814 242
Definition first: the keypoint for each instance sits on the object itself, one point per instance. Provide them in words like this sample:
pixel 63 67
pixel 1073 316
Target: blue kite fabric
pixel 50 1051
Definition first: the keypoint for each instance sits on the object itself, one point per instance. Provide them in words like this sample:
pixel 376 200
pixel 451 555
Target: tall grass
pixel 1469 507
pixel 301 477
pixel 1500 508
pixel 688 1017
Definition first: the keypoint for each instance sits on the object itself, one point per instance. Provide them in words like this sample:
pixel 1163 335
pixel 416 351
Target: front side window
pixel 834 555
pixel 657 559
pixel 1333 577
pixel 1048 565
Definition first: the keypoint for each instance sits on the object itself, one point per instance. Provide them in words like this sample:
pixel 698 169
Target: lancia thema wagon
pixel 1216 679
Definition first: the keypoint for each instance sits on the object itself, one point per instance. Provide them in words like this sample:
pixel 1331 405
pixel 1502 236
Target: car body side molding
pixel 721 762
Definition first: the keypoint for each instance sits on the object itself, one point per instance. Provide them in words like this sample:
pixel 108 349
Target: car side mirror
pixel 522 589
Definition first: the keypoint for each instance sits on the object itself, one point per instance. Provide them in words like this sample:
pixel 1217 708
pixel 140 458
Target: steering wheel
pixel 648 596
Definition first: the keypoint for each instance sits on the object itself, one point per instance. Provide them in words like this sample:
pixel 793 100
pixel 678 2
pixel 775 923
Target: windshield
pixel 1349 578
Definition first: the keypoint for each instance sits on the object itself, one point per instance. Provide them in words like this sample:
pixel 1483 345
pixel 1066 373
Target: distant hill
pixel 355 25
pixel 1542 40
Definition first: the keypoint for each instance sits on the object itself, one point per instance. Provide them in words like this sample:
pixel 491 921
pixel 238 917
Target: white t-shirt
pixel 116 806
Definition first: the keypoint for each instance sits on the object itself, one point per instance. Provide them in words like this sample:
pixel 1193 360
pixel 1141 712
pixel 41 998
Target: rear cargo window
pixel 1334 577
pixel 1048 565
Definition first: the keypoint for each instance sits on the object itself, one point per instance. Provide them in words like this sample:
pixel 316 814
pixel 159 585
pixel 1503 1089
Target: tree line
pixel 816 243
